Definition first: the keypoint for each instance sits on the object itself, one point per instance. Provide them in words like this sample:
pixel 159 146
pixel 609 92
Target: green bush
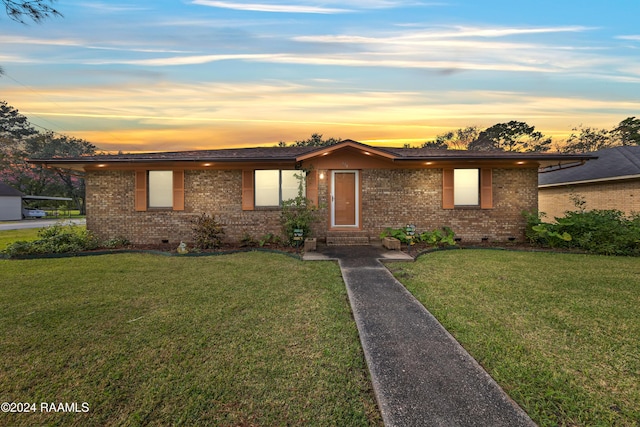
pixel 247 241
pixel 269 239
pixel 115 243
pixel 397 233
pixel 437 237
pixel 533 218
pixel 606 232
pixel 207 232
pixel 55 239
pixel 443 237
pixel 298 213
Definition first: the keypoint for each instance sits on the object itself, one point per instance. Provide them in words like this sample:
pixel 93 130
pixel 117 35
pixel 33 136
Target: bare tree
pixel 589 139
pixel 458 139
pixel 36 10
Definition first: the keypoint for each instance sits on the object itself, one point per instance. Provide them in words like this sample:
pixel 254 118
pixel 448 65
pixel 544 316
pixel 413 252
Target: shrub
pixel 55 239
pixel 247 241
pixel 443 237
pixel 437 237
pixel 533 218
pixel 606 232
pixel 269 239
pixel 207 232
pixel 298 213
pixel 397 233
pixel 116 242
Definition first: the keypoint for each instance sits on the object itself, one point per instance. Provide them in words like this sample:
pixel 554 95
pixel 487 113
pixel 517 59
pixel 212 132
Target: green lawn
pixel 10 236
pixel 245 339
pixel 263 339
pixel 559 332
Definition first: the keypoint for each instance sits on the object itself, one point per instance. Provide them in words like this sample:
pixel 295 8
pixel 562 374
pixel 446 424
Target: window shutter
pixel 486 188
pixel 247 190
pixel 141 191
pixel 178 190
pixel 447 188
pixel 312 187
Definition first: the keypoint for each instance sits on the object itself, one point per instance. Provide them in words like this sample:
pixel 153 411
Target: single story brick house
pixel 612 181
pixel 360 190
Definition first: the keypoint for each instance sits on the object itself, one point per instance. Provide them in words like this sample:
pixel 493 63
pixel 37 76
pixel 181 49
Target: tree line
pixel 515 136
pixel 20 141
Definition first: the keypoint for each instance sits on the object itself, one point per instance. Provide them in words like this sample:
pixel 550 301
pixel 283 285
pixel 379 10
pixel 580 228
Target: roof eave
pixel 590 181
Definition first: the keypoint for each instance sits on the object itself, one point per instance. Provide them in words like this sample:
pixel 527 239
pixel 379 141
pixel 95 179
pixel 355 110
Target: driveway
pixel 39 223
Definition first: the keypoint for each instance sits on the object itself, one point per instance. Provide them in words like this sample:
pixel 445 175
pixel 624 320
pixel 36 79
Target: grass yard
pixel 10 236
pixel 559 332
pixel 245 339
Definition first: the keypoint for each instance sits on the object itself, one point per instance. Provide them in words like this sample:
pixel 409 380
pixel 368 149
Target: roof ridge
pixel 629 153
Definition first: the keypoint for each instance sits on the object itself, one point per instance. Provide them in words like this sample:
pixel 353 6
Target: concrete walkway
pixel 421 375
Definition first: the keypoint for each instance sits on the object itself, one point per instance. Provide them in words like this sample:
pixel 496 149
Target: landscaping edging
pixel 147 251
pixel 499 248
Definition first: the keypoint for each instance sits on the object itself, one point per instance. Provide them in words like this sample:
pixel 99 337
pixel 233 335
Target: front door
pixel 344 199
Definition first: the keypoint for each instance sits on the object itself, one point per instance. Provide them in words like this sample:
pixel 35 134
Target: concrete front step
pixel 347 238
pixel 347 241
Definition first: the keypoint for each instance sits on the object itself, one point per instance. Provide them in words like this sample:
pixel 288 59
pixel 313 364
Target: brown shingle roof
pixel 292 154
pixel 227 154
pixel 612 163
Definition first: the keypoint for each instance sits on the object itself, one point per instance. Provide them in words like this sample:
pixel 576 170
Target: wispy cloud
pixel 442 48
pixel 111 7
pixel 427 35
pixel 185 60
pixel 457 48
pixel 22 40
pixel 634 37
pixel 265 7
pixel 301 6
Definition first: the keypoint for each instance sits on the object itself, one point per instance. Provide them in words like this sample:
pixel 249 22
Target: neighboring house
pixel 360 189
pixel 10 203
pixel 610 182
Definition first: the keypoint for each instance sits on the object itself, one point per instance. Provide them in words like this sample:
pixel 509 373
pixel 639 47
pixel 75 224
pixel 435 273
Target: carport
pixel 50 212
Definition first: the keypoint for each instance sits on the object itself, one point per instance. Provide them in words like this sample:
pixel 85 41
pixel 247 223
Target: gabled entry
pixel 345 198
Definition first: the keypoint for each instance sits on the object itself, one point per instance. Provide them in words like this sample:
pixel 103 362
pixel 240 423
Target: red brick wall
pixel 390 198
pixel 620 195
pixel 394 198
pixel 111 214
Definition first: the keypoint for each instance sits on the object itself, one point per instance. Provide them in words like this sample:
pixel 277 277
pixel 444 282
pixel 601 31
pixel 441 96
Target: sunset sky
pixel 158 75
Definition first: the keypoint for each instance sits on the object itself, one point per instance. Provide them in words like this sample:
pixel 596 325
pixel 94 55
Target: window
pixel 160 189
pixel 274 186
pixel 466 187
